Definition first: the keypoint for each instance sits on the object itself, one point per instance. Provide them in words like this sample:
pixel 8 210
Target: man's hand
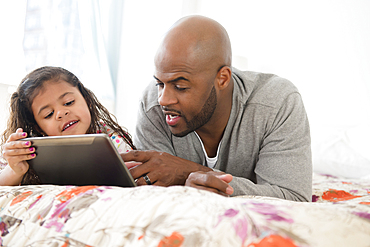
pixel 161 168
pixel 217 182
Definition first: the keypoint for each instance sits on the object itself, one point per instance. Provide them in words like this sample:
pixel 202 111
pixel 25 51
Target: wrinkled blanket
pixel 49 215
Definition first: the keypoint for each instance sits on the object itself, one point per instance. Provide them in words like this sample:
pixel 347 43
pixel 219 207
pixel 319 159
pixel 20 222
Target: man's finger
pixel 136 155
pixel 225 177
pixel 140 170
pixel 132 164
pixel 150 177
pixel 213 190
pixel 207 180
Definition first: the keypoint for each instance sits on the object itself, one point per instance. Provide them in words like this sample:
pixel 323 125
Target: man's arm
pixel 283 170
pixel 284 166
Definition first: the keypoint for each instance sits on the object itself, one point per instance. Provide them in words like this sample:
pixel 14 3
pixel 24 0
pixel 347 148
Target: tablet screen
pixel 89 159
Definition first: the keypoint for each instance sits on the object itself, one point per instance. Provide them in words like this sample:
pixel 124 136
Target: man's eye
pixel 50 114
pixel 69 103
pixel 180 88
pixel 159 84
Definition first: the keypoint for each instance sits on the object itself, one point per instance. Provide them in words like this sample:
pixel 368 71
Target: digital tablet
pixel 89 159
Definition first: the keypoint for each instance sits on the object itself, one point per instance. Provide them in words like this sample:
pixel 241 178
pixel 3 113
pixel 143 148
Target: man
pixel 201 116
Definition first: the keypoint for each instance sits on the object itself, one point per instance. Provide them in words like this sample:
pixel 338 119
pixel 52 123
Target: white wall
pixel 143 29
pixel 323 47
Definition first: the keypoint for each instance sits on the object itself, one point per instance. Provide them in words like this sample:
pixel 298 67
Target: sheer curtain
pixel 144 23
pixel 101 25
pixel 12 63
pixel 81 36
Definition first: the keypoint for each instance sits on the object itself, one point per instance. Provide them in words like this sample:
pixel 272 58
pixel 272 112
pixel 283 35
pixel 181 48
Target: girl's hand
pixel 17 152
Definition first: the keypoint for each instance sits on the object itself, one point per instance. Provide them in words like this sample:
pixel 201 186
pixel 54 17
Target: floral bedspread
pixel 64 216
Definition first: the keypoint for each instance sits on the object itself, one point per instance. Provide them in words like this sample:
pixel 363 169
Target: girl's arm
pixel 8 177
pixel 16 153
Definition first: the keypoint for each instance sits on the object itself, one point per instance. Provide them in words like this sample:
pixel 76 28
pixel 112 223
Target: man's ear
pixel 224 77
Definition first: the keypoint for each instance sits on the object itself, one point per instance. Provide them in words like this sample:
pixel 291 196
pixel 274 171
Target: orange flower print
pixel 21 197
pixel 274 241
pixel 68 194
pixel 66 243
pixel 175 240
pixel 337 195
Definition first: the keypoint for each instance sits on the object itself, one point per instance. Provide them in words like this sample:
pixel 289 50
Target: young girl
pixel 51 101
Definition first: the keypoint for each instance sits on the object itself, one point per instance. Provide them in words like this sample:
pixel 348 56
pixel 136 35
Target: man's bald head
pixel 193 76
pixel 198 41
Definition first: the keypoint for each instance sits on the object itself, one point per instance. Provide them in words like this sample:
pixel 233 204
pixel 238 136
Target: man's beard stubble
pixel 203 116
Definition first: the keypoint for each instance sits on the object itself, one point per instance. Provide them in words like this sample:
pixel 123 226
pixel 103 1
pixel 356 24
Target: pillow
pixel 343 152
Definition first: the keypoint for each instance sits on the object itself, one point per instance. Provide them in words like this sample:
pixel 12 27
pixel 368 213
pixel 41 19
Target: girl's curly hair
pixel 21 115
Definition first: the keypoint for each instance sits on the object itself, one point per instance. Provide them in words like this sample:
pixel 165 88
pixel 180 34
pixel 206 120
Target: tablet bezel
pixel 89 159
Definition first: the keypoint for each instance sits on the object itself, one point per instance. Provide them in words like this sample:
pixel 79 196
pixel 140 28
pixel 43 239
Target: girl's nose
pixel 62 113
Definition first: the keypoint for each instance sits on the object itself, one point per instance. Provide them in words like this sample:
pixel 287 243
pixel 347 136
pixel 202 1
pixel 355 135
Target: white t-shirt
pixel 211 162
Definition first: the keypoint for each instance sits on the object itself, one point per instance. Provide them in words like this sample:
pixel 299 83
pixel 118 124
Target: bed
pixel 48 215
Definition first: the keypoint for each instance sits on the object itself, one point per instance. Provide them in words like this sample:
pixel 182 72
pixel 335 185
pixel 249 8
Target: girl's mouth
pixel 69 125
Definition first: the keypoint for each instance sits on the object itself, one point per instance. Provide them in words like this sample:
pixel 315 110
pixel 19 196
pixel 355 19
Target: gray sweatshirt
pixel 266 145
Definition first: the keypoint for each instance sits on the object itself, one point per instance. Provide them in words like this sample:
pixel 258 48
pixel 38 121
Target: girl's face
pixel 60 109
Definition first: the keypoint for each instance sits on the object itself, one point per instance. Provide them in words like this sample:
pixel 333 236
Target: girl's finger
pixel 19 134
pixel 17 146
pixel 10 152
pixel 20 158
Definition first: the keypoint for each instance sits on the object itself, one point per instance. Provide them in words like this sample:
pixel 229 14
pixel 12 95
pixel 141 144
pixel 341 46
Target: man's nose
pixel 166 97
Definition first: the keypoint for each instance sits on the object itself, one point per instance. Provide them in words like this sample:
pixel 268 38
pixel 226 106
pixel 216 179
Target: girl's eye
pixel 50 114
pixel 69 103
